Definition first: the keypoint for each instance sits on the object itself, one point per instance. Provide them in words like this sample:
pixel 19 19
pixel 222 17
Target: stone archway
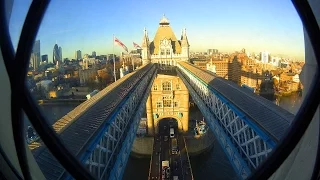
pixel 177 121
pixel 169 98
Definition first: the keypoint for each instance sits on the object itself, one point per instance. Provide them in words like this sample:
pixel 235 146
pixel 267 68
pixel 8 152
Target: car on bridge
pixel 165 170
pixel 165 138
pixel 171 133
pixel 174 146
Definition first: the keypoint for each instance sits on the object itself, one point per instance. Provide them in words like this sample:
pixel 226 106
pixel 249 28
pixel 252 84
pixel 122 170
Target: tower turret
pixel 145 48
pixel 185 46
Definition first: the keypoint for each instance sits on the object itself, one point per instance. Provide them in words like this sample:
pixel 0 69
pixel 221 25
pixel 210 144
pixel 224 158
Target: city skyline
pixel 216 24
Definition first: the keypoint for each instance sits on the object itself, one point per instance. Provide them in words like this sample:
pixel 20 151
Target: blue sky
pixel 226 25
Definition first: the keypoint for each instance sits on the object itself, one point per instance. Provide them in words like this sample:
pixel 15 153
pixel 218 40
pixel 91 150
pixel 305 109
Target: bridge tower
pixel 165 48
pixel 169 98
pixel 145 48
pixel 184 46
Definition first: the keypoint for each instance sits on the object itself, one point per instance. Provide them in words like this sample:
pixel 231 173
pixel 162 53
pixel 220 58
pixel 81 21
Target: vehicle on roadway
pixel 165 138
pixel 88 96
pixel 171 133
pixel 174 146
pixel 165 170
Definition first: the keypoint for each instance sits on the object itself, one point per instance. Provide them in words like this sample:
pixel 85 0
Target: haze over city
pixel 272 26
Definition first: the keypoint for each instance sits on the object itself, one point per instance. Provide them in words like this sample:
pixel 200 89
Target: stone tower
pixel 145 48
pixel 184 46
pixel 165 48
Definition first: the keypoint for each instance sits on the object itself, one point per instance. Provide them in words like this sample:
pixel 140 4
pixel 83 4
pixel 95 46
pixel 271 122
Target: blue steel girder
pixel 252 145
pixel 107 154
pixel 239 165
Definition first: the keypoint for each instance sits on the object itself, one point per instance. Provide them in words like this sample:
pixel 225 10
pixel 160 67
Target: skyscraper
pixel 264 57
pixel 60 52
pixel 35 61
pixel 78 55
pixel 35 55
pixel 56 54
pixel 36 48
pixel 94 54
pixel 44 58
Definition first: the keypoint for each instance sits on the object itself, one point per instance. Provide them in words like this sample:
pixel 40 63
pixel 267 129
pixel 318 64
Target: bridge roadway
pixel 79 127
pixel 179 164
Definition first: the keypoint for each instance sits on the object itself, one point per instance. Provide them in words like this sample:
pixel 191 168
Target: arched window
pixel 166 86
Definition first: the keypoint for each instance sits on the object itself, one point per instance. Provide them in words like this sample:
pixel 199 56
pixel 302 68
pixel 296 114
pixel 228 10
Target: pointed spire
pixel 184 40
pixel 145 41
pixel 164 20
pixel 181 34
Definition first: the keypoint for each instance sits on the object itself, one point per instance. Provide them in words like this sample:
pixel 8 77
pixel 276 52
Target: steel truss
pixel 245 146
pixel 106 158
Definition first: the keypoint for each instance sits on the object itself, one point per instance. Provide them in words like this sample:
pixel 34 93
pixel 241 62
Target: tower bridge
pixel 101 130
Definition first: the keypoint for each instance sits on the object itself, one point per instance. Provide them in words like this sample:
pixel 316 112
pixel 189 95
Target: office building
pixel 222 67
pixel 44 58
pixel 94 54
pixel 60 52
pixel 212 51
pixel 56 54
pixel 36 50
pixel 35 61
pixel 265 57
pixel 78 55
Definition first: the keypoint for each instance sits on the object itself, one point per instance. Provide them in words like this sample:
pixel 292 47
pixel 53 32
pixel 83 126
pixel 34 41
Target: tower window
pixel 166 103
pixel 168 51
pixel 162 51
pixel 159 104
pixel 178 86
pixel 175 104
pixel 155 87
pixel 166 86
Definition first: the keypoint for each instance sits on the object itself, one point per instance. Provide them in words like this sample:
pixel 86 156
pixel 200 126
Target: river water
pixel 211 165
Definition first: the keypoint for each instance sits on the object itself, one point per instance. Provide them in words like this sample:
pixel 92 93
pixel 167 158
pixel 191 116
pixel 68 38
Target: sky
pixel 226 25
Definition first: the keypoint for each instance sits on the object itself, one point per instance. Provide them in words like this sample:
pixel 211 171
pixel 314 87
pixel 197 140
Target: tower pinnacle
pixel 164 20
pixel 184 39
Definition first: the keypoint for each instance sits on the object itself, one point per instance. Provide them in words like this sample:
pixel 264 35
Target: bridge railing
pixel 101 130
pixel 243 123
